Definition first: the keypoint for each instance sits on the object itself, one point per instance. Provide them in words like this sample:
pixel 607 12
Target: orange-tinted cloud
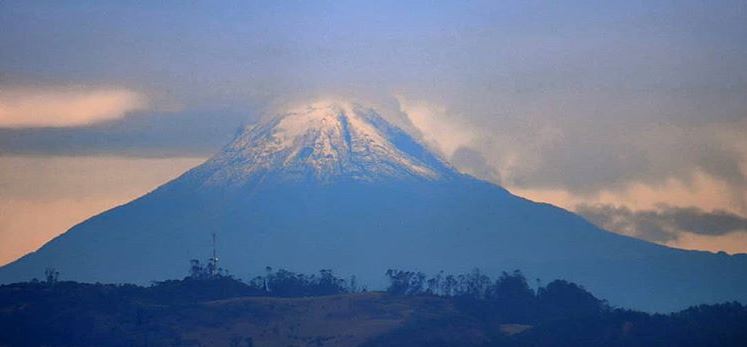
pixel 65 107
pixel 729 243
pixel 640 200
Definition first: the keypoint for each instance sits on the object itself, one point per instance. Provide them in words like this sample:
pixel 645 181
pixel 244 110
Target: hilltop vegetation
pixel 282 308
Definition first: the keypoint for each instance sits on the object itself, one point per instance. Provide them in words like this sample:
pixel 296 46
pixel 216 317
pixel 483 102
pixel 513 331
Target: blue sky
pixel 634 104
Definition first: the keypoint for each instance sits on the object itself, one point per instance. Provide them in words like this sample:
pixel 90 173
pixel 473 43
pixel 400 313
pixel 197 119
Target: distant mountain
pixel 334 185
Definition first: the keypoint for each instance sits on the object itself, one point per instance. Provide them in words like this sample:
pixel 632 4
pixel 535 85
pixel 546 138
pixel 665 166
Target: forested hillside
pixel 282 308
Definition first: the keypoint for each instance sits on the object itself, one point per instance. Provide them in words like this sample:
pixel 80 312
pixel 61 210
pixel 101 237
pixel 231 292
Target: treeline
pixel 55 312
pixel 203 282
pixel 559 313
pixel 445 310
pixel 211 283
pixel 508 296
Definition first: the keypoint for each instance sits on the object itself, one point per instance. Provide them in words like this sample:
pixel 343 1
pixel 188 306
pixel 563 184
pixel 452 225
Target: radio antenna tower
pixel 213 266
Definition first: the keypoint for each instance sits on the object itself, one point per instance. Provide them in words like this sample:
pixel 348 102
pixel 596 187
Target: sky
pixel 631 113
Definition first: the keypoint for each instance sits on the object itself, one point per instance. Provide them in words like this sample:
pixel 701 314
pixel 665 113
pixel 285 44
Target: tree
pixel 511 293
pixel 405 282
pixel 353 285
pixel 511 288
pixel 566 299
pixel 474 284
pixel 51 275
pixel 197 270
pixel 434 284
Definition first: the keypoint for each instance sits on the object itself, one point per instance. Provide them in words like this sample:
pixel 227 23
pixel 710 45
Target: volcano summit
pixel 325 142
pixel 335 186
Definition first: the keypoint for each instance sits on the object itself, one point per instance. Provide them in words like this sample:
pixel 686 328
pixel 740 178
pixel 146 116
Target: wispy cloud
pixel 665 223
pixel 64 106
pixel 439 129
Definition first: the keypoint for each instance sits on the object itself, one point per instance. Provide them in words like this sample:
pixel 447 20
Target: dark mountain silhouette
pixel 335 186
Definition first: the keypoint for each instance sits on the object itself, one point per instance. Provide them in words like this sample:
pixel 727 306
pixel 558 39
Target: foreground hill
pixel 335 186
pixel 209 313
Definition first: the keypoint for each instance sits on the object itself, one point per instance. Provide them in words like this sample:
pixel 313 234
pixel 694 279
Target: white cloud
pixel 439 129
pixel 65 106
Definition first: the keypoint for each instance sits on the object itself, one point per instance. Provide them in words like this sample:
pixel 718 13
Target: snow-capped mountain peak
pixel 323 141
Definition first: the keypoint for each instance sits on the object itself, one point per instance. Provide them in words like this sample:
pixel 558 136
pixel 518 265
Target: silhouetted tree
pixel 198 271
pixel 434 285
pixel 449 285
pixel 566 299
pixel 51 275
pixel 286 283
pixel 474 285
pixel 511 293
pixel 353 285
pixel 405 282
pixel 511 287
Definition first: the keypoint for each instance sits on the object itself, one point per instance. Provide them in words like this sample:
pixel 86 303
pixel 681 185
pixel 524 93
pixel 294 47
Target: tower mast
pixel 214 260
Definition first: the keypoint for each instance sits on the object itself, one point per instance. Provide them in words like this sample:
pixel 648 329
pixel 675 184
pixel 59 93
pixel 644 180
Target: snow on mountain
pixel 323 141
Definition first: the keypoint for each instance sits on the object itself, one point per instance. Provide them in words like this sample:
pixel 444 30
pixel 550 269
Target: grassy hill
pixel 74 314
pixel 317 311
pixel 340 320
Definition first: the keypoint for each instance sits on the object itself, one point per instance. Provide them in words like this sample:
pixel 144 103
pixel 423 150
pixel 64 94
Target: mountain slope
pixel 336 186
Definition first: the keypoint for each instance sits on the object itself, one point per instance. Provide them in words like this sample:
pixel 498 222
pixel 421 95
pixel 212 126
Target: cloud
pixel 474 163
pixel 665 223
pixel 587 143
pixel 730 243
pixel 703 191
pixel 151 133
pixel 65 107
pixel 440 129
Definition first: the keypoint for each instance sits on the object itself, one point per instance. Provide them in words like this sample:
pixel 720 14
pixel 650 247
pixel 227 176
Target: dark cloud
pixel 145 134
pixel 664 223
